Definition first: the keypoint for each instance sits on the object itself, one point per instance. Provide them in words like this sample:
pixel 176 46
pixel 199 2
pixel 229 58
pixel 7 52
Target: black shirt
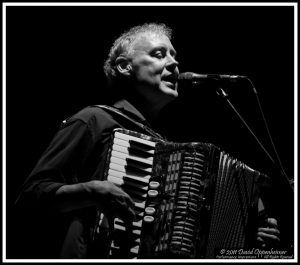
pixel 76 154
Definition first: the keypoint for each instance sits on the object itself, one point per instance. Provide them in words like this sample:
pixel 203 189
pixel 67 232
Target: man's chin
pixel 170 88
pixel 171 94
pixel 175 93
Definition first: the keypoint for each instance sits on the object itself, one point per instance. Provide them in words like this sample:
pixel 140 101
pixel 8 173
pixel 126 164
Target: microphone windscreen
pixel 186 76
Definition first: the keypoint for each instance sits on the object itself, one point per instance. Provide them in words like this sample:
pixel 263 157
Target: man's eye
pixel 158 54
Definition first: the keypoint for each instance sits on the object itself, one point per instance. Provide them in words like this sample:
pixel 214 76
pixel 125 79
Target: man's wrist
pixel 74 196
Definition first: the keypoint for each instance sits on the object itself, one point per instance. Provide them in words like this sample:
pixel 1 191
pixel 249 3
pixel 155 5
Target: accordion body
pixel 191 199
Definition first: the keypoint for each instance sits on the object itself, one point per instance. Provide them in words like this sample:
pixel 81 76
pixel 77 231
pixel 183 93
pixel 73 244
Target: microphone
pixel 198 78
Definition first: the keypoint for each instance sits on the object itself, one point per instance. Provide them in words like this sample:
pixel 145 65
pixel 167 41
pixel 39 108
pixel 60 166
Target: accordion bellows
pixel 191 199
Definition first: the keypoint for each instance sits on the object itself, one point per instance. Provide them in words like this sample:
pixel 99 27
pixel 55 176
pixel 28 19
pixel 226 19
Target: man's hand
pixel 105 195
pixel 268 234
pixel 111 199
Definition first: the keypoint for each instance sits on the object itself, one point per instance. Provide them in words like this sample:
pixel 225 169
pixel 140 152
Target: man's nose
pixel 171 62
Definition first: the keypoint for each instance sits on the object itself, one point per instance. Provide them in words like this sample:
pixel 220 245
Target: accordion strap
pixel 138 124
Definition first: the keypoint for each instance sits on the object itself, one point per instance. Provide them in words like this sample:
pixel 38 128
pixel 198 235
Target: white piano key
pixel 120 148
pixel 117 181
pixel 117 167
pixel 125 156
pixel 140 205
pixel 143 179
pixel 118 220
pixel 127 137
pixel 136 224
pixel 146 154
pixel 135 193
pixel 118 161
pixel 123 162
pixel 127 144
pixel 135 250
pixel 115 164
pixel 139 214
pixel 122 181
pixel 121 142
pixel 122 228
pixel 119 227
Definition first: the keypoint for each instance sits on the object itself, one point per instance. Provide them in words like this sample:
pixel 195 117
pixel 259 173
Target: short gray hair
pixel 122 44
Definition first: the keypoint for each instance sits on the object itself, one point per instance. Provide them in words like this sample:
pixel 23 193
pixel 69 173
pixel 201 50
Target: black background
pixel 54 68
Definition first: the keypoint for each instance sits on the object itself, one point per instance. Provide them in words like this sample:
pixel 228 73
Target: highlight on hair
pixel 122 44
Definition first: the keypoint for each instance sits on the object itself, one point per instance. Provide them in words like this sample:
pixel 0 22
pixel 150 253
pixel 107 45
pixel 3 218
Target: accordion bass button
pixel 153 185
pixel 148 219
pixel 149 210
pixel 152 193
pixel 202 199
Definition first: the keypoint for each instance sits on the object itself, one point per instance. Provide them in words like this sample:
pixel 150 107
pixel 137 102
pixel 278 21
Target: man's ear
pixel 123 65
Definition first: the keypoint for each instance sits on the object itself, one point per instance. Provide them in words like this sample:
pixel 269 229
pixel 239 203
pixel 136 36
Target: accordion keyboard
pixel 130 167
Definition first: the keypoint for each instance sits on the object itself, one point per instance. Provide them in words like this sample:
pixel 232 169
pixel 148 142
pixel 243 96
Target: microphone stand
pixel 267 128
pixel 225 96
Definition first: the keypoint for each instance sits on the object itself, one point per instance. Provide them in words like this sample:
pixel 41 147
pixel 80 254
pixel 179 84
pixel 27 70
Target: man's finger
pixel 268 230
pixel 272 222
pixel 267 237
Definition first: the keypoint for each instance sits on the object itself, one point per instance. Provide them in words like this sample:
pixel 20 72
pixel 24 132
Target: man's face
pixel 154 68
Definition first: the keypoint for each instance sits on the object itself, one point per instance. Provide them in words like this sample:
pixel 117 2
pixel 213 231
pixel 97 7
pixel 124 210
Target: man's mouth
pixel 170 79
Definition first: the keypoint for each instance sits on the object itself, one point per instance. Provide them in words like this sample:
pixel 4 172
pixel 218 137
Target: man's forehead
pixel 149 39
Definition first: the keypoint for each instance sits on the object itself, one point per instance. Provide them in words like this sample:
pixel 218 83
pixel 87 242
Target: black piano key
pixel 139 153
pixel 132 170
pixel 139 145
pixel 136 163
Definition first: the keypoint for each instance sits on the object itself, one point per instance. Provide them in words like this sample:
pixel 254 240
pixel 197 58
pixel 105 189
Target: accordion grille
pixel 231 206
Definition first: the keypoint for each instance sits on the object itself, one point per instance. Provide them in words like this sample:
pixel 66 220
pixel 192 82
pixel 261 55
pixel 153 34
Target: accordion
pixel 191 199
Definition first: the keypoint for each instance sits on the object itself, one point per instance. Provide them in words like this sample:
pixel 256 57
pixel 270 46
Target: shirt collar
pixel 126 107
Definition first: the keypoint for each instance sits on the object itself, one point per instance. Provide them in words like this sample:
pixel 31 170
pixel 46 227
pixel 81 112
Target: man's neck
pixel 149 111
